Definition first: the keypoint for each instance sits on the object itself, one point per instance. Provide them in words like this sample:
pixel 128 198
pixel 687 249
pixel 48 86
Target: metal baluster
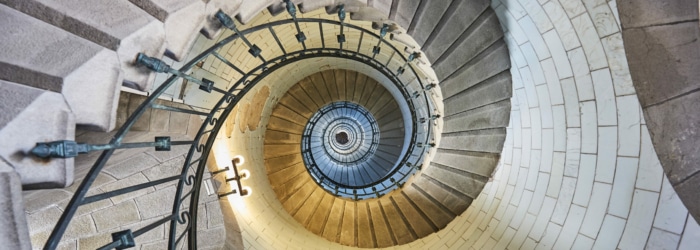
pixel 230 24
pixel 225 61
pixel 341 16
pixel 69 149
pixel 411 57
pixel 159 66
pixel 292 10
pixel 382 33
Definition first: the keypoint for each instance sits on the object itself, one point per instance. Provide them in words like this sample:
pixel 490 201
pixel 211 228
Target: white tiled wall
pixel 592 177
pixel 577 170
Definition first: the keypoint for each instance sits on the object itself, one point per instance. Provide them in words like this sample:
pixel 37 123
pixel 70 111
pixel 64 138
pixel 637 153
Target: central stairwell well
pixel 449 157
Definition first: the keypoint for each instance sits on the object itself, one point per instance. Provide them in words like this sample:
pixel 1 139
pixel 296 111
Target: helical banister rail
pixel 415 92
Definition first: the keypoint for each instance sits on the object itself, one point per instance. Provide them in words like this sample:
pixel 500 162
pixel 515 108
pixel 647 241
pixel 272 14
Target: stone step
pixel 447 33
pixel 488 63
pixel 478 163
pixel 494 89
pixel 484 32
pixel 250 9
pixel 212 27
pixel 402 12
pixel 29 116
pixel 14 232
pixel 117 25
pixel 426 18
pixel 487 140
pixel 494 115
pixel 42 56
pixel 182 21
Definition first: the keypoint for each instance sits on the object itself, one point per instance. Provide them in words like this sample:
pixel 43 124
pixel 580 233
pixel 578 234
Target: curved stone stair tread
pixel 61 62
pixel 212 27
pixel 485 31
pixel 182 20
pixel 425 19
pixel 444 35
pixel 488 63
pixel 33 115
pixel 15 231
pixel 117 25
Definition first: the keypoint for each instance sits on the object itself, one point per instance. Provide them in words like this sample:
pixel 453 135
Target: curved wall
pixel 578 167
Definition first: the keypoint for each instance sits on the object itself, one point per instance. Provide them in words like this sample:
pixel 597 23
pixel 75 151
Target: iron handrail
pixel 212 124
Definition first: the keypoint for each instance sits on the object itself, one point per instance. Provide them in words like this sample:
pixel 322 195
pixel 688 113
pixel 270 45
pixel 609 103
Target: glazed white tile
pixel 515 75
pixel 623 186
pixel 640 219
pixel 547 150
pixel 561 60
pixel 533 170
pixel 559 116
pixel 527 146
pixel 590 42
pixel 650 173
pixel 533 34
pixel 550 236
pixel 557 175
pixel 507 19
pixel 529 244
pixel 519 188
pixel 562 24
pixel 592 3
pixel 533 62
pixel 573 151
pixel 604 20
pixel 610 233
pixel 589 127
pixel 517 127
pixel 613 8
pixel 581 74
pixel 514 169
pixel 583 242
pixel 529 87
pixel 607 154
pixel 615 52
pixel 524 110
pixel 507 236
pixel 539 17
pixel 545 106
pixel 597 207
pixel 555 93
pixel 570 229
pixel 584 182
pixel 659 239
pixel 542 218
pixel 522 232
pixel 671 213
pixel 573 115
pixel 605 97
pixel 539 194
pixel 628 125
pixel 514 8
pixel 536 124
pixel 564 202
pixel 503 224
pixel 691 236
pixel 573 7
pixel 522 210
pixel 515 55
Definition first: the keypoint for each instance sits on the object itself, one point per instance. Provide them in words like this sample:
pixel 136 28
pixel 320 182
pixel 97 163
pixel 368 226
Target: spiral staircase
pixel 378 130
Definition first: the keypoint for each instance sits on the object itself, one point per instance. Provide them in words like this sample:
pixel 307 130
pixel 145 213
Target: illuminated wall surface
pixel 577 169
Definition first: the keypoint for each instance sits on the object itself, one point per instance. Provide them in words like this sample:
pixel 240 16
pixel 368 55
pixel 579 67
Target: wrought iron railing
pixel 183 216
